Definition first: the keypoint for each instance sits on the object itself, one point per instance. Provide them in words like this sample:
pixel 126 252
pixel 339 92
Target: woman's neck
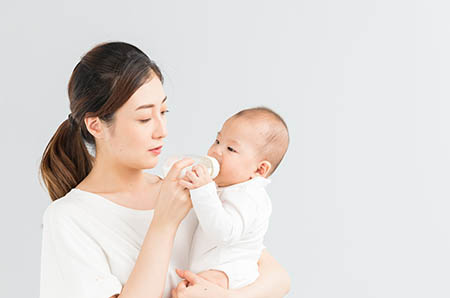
pixel 113 178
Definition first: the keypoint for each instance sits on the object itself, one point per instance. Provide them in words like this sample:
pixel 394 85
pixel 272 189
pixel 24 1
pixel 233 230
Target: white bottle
pixel 211 164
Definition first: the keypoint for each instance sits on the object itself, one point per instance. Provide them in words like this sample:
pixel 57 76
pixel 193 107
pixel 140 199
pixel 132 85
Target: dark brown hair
pixel 104 79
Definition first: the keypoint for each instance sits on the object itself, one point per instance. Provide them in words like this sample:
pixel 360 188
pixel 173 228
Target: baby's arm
pixel 221 222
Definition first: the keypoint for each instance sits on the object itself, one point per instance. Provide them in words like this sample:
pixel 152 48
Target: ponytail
pixel 66 160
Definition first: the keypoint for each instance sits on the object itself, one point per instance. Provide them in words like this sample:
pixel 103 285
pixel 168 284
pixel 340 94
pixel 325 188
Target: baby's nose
pixel 216 155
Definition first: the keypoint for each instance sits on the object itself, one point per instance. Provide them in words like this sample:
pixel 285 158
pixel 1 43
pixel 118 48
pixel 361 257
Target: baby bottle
pixel 210 163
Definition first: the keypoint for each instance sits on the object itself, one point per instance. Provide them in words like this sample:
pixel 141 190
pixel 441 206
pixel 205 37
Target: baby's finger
pixel 186 184
pixel 202 170
pixel 185 178
pixel 196 170
pixel 192 176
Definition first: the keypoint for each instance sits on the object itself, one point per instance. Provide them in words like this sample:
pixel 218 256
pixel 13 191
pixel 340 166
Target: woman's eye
pixel 231 149
pixel 145 120
pixel 164 112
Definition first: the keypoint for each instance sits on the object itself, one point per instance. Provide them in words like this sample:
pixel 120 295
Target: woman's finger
pixel 174 294
pixel 181 288
pixel 203 289
pixel 182 284
pixel 186 184
pixel 192 278
pixel 177 167
pixel 180 272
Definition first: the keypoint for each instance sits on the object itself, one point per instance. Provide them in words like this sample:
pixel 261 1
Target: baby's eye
pixel 231 149
pixel 217 142
pixel 164 112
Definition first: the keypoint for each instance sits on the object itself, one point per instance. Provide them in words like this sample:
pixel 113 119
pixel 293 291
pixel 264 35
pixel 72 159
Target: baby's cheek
pixel 222 176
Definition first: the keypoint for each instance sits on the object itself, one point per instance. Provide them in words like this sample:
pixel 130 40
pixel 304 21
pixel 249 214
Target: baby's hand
pixel 197 177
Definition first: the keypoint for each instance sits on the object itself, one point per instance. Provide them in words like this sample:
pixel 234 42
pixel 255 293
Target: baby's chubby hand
pixel 195 178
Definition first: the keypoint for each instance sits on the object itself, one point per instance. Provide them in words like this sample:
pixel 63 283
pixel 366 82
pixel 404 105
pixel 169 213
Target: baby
pixel 234 217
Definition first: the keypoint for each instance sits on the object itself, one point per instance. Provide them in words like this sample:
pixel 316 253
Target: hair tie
pixel 71 120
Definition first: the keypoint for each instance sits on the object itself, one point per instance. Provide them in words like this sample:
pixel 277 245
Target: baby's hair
pixel 274 131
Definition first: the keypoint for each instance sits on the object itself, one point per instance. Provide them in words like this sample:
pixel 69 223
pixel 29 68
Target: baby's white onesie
pixel 232 224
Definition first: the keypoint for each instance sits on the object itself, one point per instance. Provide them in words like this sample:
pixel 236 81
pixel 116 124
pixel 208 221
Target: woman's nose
pixel 160 130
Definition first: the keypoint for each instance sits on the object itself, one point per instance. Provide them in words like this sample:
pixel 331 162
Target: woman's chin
pixel 150 164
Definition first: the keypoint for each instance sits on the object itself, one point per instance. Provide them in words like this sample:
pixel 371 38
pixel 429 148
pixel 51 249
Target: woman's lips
pixel 156 150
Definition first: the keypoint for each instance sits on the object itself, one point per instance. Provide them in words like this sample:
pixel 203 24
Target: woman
pixel 114 230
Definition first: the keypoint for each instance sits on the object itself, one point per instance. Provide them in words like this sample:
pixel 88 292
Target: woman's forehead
pixel 148 95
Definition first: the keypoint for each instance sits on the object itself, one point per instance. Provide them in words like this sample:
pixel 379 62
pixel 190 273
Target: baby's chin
pixel 220 183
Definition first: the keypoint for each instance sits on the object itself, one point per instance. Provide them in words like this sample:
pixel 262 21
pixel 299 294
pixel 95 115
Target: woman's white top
pixel 232 223
pixel 90 246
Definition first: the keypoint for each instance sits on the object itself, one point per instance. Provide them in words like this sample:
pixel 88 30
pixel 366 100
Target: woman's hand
pixel 216 277
pixel 173 202
pixel 193 286
pixel 273 282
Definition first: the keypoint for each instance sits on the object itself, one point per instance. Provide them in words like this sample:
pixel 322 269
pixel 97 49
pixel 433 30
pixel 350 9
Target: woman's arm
pixel 273 282
pixel 149 273
pixel 148 276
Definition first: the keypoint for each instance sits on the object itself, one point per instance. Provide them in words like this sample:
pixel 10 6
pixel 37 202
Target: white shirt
pixel 232 223
pixel 90 246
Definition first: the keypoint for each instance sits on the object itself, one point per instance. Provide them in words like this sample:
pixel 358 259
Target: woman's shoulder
pixel 79 202
pixel 64 212
pixel 66 205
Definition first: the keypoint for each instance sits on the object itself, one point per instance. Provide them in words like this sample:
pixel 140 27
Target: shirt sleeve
pixel 226 221
pixel 73 265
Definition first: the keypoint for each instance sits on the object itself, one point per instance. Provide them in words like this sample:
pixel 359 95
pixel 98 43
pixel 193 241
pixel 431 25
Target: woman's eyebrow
pixel 150 105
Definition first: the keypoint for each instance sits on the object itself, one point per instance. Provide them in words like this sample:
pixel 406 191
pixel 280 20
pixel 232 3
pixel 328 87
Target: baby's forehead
pixel 257 123
pixel 244 127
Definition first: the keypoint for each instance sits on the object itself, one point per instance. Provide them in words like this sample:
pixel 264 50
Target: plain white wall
pixel 361 201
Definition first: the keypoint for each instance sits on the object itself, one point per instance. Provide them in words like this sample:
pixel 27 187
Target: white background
pixel 361 201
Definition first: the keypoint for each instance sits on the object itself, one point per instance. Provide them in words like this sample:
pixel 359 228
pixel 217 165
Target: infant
pixel 234 217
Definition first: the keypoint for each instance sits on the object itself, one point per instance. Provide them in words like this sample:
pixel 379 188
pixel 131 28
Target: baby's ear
pixel 264 168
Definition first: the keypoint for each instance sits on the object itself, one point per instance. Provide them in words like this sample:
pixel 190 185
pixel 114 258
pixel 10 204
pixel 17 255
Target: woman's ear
pixel 94 126
pixel 264 168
